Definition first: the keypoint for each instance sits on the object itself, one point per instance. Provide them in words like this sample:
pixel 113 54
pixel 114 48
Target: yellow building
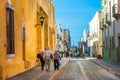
pixel 27 26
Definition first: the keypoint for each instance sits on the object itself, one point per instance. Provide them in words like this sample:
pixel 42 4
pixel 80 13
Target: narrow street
pixel 81 69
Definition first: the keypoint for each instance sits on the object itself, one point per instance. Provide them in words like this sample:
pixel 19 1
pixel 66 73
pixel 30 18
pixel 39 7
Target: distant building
pixel 83 45
pixel 73 49
pixel 67 40
pixel 63 39
pixel 59 38
pixel 84 41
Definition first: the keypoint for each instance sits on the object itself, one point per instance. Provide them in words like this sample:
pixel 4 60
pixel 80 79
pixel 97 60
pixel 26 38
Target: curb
pixel 106 68
pixel 118 74
pixel 57 72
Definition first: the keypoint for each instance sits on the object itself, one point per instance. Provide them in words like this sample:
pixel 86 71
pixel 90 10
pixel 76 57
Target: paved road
pixel 79 69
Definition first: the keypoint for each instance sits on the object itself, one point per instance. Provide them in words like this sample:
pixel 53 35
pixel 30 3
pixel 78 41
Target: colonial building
pixel 85 41
pixel 59 38
pixel 27 26
pixel 110 26
pixel 63 39
pixel 67 40
pixel 84 44
pixel 95 35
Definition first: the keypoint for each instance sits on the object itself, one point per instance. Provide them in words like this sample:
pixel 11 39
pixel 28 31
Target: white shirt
pixel 47 53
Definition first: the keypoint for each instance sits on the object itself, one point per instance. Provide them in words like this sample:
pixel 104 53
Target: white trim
pixel 24 24
pixel 9 56
pixel 9 5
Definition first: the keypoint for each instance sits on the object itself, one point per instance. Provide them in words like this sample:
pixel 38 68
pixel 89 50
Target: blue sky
pixel 75 15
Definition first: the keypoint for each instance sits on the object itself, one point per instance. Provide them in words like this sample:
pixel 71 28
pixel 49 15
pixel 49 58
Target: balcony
pixel 101 26
pixel 108 19
pixel 116 11
pixel 104 23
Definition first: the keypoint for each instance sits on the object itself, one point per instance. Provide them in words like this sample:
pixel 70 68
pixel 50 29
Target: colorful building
pixel 110 26
pixel 27 26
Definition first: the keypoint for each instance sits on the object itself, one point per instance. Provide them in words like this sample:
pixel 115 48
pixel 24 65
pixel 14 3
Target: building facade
pixel 67 40
pixel 85 41
pixel 84 44
pixel 111 30
pixel 95 35
pixel 63 39
pixel 27 26
pixel 59 38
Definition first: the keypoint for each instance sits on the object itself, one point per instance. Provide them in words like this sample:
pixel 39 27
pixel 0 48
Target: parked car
pixel 74 54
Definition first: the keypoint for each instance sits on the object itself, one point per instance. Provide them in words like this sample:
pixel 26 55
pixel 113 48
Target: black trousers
pixel 42 63
pixel 56 64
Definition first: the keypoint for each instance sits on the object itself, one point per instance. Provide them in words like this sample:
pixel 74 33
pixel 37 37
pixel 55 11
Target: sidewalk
pixel 37 74
pixel 110 66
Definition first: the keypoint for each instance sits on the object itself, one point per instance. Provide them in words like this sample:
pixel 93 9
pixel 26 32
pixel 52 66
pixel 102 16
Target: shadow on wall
pixel 0 72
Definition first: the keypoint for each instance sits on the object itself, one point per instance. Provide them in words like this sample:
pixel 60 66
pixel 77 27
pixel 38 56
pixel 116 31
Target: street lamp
pixel 41 21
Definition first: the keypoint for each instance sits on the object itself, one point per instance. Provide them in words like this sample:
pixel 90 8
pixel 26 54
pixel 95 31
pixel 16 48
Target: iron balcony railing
pixel 116 10
pixel 108 18
pixel 101 26
pixel 104 23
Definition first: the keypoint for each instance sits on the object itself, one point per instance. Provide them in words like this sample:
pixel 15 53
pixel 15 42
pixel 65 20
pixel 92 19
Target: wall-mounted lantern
pixel 41 21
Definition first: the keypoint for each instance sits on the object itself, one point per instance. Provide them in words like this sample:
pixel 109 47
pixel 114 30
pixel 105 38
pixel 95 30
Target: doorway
pixel 119 48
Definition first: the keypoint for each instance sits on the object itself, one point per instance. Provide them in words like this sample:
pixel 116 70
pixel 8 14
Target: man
pixel 42 60
pixel 57 58
pixel 40 57
pixel 47 57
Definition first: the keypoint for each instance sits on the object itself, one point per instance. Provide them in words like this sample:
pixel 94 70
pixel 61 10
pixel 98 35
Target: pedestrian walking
pixel 40 57
pixel 57 58
pixel 67 54
pixel 48 55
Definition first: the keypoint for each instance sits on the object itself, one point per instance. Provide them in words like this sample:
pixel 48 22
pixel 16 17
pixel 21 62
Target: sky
pixel 75 15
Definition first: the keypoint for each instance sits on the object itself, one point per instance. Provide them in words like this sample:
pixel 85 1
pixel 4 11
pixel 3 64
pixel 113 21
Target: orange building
pixel 27 26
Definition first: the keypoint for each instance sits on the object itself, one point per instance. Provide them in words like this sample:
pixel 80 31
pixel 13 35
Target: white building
pixel 84 41
pixel 63 39
pixel 59 38
pixel 95 35
pixel 67 40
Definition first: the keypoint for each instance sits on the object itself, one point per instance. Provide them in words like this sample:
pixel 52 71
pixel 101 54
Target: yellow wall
pixel 9 66
pixel 48 13
pixel 25 16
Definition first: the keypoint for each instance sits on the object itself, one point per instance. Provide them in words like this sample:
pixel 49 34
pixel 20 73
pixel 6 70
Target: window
pixel 10 29
pixel 106 42
pixel 57 36
pixel 111 42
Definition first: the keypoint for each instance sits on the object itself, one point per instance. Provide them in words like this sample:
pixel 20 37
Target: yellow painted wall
pixel 48 13
pixel 10 66
pixel 25 15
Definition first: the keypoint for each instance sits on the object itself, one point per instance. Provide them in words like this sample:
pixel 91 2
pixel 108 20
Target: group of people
pixel 46 57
